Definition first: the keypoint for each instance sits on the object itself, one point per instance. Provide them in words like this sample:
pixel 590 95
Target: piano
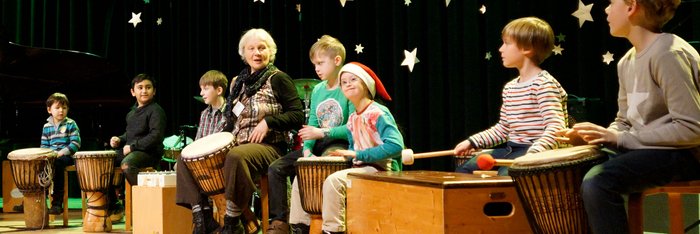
pixel 96 88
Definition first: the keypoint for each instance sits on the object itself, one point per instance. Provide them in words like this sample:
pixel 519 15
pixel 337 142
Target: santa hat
pixel 368 76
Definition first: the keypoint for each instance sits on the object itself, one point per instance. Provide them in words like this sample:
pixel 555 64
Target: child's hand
pixel 126 150
pixel 569 136
pixel 342 152
pixel 464 148
pixel 310 133
pixel 114 142
pixel 595 134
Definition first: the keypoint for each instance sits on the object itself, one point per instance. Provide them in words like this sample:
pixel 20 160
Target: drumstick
pixel 487 162
pixel 407 155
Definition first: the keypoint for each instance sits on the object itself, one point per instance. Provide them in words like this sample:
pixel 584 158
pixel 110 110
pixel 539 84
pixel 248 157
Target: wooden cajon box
pixel 433 202
pixel 155 211
pixel 11 196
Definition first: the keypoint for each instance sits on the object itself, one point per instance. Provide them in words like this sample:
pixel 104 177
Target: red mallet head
pixel 485 162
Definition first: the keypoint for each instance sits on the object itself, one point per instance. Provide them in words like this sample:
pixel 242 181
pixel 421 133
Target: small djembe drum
pixel 311 173
pixel 31 170
pixel 205 160
pixel 549 186
pixel 95 171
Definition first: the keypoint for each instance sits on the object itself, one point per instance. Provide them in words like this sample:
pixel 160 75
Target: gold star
pixel 557 49
pixel 608 57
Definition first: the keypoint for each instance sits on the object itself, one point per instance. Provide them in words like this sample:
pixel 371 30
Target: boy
pixel 142 144
pixel 656 129
pixel 60 134
pixel 375 144
pixel 534 103
pixel 213 85
pixel 329 109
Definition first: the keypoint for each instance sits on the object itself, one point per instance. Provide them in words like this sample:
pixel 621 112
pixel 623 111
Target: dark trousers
pixel 284 168
pixel 633 171
pixel 135 160
pixel 59 165
pixel 508 151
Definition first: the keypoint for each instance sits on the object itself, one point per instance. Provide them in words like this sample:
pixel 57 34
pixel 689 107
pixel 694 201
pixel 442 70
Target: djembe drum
pixel 31 170
pixel 205 159
pixel 95 174
pixel 549 186
pixel 311 173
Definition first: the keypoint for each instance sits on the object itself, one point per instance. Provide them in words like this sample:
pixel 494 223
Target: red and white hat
pixel 368 76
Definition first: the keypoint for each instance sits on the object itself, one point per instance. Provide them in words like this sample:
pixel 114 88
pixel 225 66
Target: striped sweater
pixel 531 113
pixel 63 137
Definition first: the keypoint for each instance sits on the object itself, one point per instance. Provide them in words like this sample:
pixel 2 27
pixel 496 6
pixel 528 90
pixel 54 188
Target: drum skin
pixel 28 165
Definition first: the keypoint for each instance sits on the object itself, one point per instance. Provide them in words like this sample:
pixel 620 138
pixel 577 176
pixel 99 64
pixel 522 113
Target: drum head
pixel 31 154
pixel 557 156
pixel 95 154
pixel 207 145
pixel 322 159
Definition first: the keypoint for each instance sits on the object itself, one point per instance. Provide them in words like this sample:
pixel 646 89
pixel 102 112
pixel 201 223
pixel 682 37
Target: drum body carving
pixel 549 186
pixel 95 174
pixel 32 174
pixel 205 160
pixel 311 173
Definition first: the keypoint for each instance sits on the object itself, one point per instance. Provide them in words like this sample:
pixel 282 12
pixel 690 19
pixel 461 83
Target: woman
pixel 261 107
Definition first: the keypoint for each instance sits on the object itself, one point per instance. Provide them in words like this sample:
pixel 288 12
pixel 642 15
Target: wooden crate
pixel 11 196
pixel 154 211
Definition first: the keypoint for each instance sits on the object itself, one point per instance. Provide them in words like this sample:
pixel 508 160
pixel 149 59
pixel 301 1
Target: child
pixel 534 103
pixel 656 128
pixel 213 85
pixel 142 144
pixel 375 144
pixel 329 109
pixel 61 134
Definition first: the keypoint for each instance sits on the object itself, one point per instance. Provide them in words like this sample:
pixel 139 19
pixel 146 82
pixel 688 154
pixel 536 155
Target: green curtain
pixel 451 93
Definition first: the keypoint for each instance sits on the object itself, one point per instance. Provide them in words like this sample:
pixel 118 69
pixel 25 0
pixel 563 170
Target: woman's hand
pixel 259 132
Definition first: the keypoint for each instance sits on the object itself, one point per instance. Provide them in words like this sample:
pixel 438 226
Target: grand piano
pixel 97 90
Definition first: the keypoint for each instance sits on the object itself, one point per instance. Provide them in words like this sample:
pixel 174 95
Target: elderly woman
pixel 261 107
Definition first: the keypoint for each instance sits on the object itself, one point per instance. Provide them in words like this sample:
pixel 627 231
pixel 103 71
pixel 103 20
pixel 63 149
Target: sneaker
pixel 278 227
pixel 300 228
pixel 232 225
pixel 56 210
pixel 204 223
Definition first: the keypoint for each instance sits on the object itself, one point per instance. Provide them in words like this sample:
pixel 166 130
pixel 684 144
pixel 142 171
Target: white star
pixel 159 21
pixel 263 1
pixel 298 8
pixel 447 3
pixel 608 57
pixel 410 59
pixel 135 18
pixel 633 100
pixel 359 48
pixel 342 3
pixel 557 49
pixel 406 2
pixel 488 55
pixel 583 13
pixel 482 9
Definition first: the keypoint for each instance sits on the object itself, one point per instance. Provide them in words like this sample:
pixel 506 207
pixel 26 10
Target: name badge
pixel 238 109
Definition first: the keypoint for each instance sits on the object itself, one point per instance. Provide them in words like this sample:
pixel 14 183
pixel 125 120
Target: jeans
pixel 509 151
pixel 630 172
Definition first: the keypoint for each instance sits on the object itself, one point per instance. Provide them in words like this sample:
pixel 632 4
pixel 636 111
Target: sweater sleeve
pixel 292 116
pixel 549 99
pixel 74 138
pixel 313 119
pixel 495 135
pixel 391 138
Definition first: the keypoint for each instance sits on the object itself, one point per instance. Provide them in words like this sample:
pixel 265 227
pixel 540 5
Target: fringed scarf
pixel 252 83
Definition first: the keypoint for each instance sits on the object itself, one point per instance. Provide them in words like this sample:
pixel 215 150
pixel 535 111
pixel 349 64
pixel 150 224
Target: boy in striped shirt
pixel 60 134
pixel 534 103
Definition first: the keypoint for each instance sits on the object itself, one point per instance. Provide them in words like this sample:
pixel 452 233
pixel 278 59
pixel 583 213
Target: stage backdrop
pixel 451 90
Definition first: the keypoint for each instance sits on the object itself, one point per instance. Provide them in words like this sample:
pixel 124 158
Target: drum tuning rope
pixel 46 176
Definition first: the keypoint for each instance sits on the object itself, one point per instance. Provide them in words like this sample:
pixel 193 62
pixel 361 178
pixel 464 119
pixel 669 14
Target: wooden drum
pixel 95 174
pixel 549 186
pixel 31 170
pixel 311 172
pixel 205 159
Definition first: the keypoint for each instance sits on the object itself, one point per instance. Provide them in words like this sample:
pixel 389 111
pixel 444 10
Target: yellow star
pixel 557 49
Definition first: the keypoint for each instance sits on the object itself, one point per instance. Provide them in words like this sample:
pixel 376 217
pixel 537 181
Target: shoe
pixel 232 225
pixel 204 222
pixel 327 232
pixel 299 228
pixel 116 213
pixel 18 208
pixel 278 227
pixel 56 210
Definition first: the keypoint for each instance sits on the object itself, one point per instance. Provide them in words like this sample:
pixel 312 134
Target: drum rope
pixel 46 176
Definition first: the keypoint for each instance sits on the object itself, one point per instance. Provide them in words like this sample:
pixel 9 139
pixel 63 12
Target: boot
pixel 299 228
pixel 211 226
pixel 198 223
pixel 232 225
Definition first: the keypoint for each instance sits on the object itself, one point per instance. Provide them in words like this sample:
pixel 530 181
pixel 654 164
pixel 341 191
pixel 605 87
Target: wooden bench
pixel 674 190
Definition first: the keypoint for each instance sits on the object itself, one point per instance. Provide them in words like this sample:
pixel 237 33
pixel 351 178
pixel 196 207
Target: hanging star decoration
pixel 298 7
pixel 359 49
pixel 447 3
pixel 488 56
pixel 557 49
pixel 561 38
pixel 342 3
pixel 263 1
pixel 410 59
pixel 135 18
pixel 482 9
pixel 146 1
pixel 407 2
pixel 159 21
pixel 608 57
pixel 583 13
